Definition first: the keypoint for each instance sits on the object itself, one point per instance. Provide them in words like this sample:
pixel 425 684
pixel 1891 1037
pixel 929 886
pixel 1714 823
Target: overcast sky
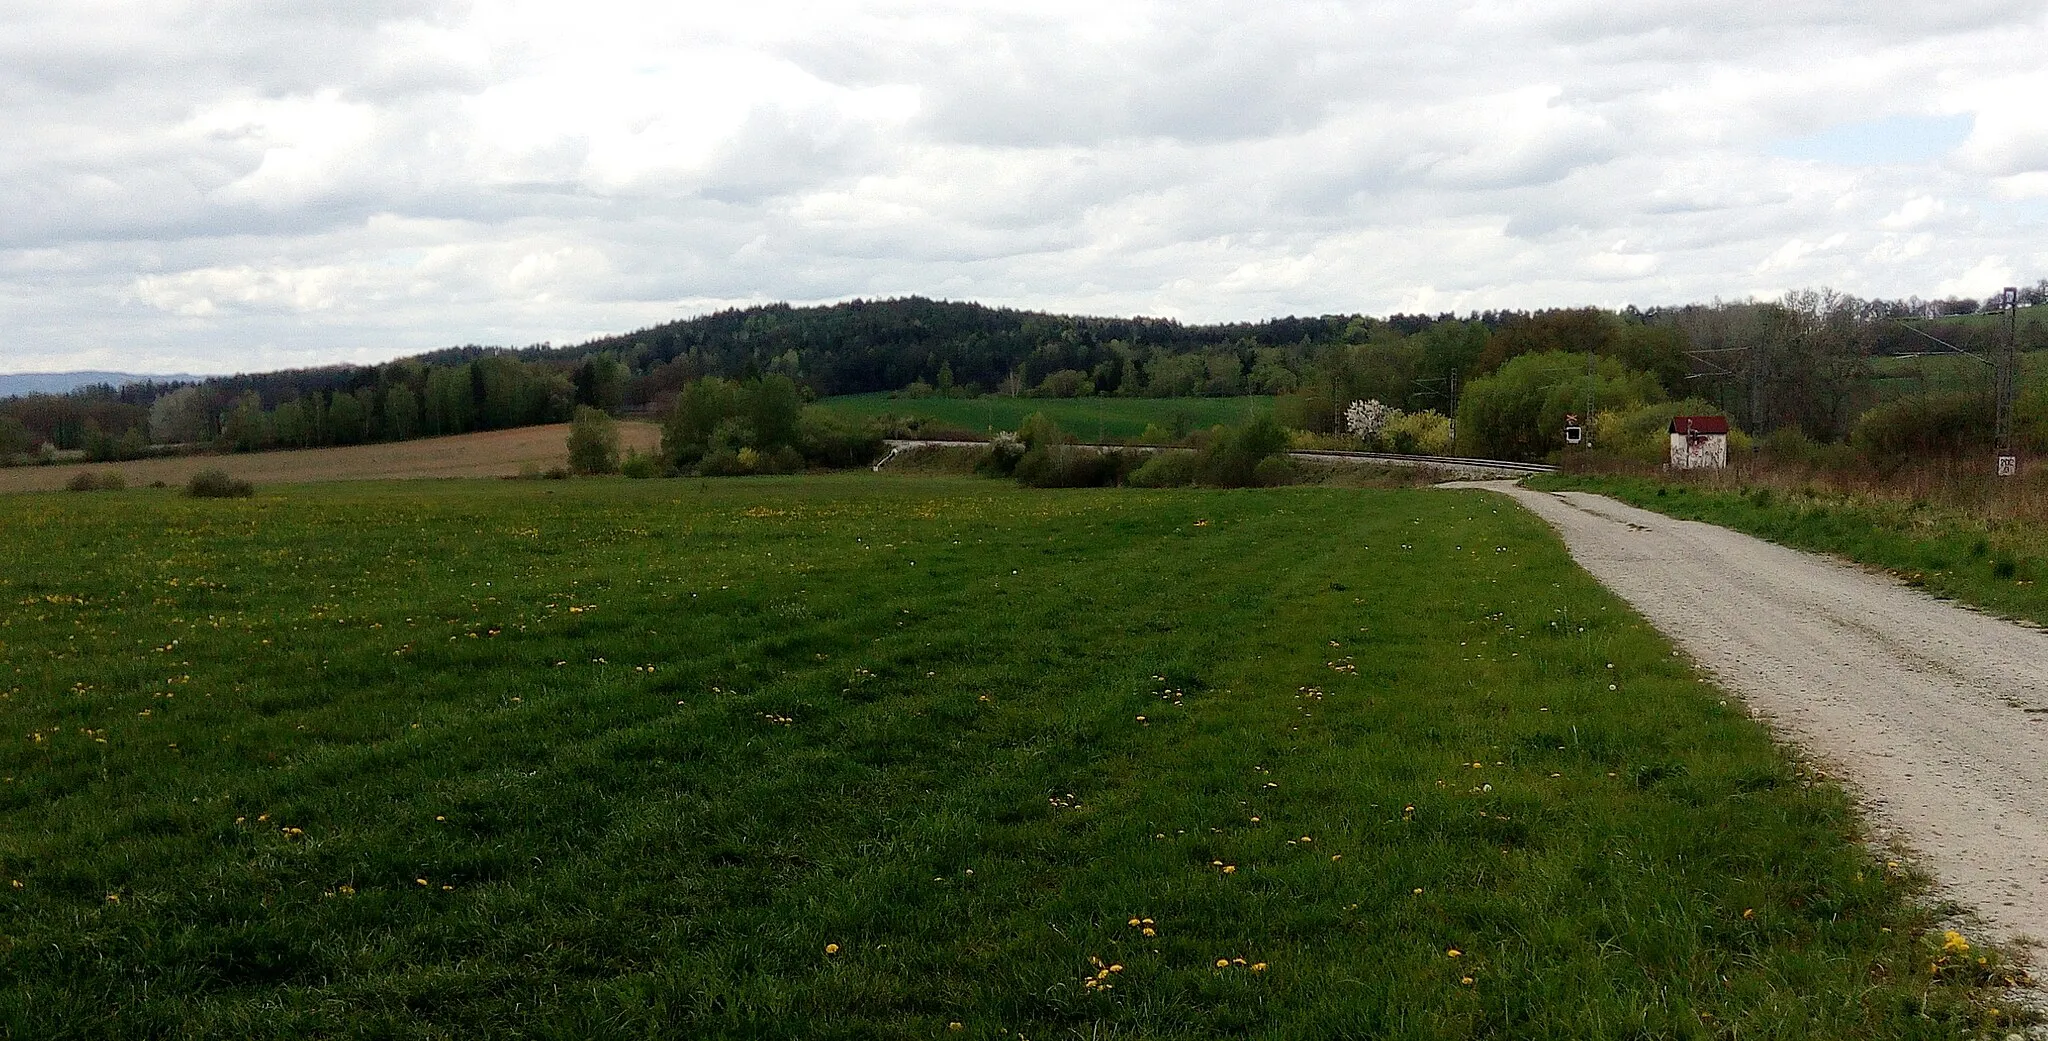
pixel 224 185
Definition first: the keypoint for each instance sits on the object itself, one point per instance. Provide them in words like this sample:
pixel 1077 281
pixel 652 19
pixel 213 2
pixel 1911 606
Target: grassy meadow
pixel 863 756
pixel 1107 419
pixel 1948 373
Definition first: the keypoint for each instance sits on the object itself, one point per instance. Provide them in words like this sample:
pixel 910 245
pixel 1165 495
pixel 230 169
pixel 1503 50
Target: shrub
pixel 639 466
pixel 1039 430
pixel 722 462
pixel 1273 471
pixel 1069 466
pixel 1165 470
pixel 1927 424
pixel 1425 432
pixel 1231 458
pixel 825 439
pixel 593 442
pixel 83 481
pixel 1005 450
pixel 216 484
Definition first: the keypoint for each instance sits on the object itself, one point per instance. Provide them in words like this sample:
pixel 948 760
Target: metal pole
pixel 1586 438
pixel 2007 382
pixel 1453 378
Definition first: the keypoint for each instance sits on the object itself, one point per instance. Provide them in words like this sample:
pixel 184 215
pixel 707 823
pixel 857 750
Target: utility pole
pixel 2007 377
pixel 1590 378
pixel 1453 380
pixel 2005 370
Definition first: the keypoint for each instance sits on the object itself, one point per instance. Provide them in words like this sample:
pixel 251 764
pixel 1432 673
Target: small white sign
pixel 1572 435
pixel 2008 465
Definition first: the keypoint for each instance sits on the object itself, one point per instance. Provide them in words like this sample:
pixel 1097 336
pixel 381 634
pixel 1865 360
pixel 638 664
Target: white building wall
pixel 1699 451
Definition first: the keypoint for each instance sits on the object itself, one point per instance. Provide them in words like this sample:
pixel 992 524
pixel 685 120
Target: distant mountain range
pixel 12 384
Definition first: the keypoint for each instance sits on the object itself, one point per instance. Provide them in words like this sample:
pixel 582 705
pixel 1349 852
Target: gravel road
pixel 1936 716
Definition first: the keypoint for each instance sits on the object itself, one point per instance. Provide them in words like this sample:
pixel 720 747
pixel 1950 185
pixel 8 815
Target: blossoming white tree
pixel 1365 419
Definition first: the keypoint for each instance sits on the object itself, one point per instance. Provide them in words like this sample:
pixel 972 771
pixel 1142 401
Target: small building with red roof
pixel 1699 442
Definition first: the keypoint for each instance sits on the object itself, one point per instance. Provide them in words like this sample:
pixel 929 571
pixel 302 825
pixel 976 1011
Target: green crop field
pixel 863 756
pixel 1932 373
pixel 1087 418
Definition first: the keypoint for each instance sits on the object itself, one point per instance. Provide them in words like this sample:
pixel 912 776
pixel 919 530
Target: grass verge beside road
pixel 870 757
pixel 1950 551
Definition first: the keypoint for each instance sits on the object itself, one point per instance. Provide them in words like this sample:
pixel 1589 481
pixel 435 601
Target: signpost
pixel 1572 433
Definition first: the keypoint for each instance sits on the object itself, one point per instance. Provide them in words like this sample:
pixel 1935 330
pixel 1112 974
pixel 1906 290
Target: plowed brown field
pixel 497 453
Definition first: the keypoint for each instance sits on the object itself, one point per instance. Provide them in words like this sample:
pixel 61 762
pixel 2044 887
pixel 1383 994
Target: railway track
pixel 1455 464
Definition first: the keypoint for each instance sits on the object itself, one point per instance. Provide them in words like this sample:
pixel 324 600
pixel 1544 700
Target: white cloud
pixel 1916 212
pixel 205 185
pixel 1982 279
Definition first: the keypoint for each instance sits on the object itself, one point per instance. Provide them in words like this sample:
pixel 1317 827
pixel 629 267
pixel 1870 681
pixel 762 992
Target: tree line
pixel 1802 361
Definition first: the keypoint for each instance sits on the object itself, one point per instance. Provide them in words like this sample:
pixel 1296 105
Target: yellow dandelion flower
pixel 1133 922
pixel 1452 952
pixel 421 881
pixel 1230 869
pixel 1149 931
pixel 831 948
pixel 1953 942
pixel 1258 966
pixel 1466 980
pixel 1223 963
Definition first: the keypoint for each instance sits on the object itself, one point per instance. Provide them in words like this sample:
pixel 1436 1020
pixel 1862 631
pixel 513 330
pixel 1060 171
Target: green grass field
pixel 863 756
pixel 1936 373
pixel 1086 418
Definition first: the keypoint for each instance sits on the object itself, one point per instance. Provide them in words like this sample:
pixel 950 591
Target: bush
pixel 1273 472
pixel 1005 450
pixel 1069 466
pixel 1038 430
pixel 825 439
pixel 1949 423
pixel 593 442
pixel 639 466
pixel 1165 470
pixel 723 462
pixel 1424 433
pixel 1231 458
pixel 83 481
pixel 216 484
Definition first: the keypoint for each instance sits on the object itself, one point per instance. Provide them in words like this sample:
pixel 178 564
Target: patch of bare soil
pixel 1936 716
pixel 496 453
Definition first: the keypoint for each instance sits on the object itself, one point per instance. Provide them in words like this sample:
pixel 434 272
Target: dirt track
pixel 1935 715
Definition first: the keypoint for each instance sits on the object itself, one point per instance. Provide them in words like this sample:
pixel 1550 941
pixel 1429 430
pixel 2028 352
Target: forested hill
pixel 869 345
